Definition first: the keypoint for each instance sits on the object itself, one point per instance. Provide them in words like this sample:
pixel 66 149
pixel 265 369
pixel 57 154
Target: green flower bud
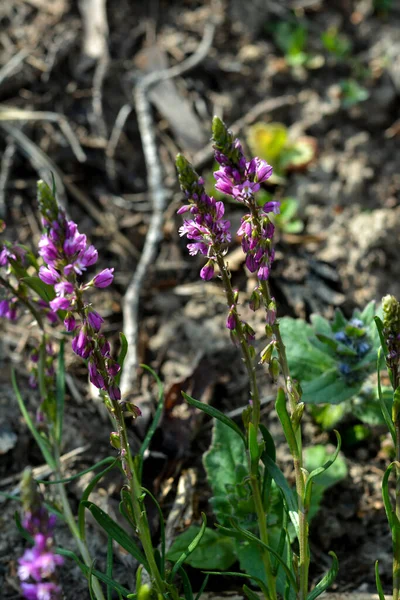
pixel 115 440
pixel 47 202
pixel 391 313
pixel 274 369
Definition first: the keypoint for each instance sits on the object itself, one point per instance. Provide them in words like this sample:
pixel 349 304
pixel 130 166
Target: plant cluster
pixel 262 518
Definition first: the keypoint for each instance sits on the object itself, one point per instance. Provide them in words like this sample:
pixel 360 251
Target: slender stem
pixel 251 371
pixel 304 558
pixel 396 533
pixel 69 517
pixel 139 510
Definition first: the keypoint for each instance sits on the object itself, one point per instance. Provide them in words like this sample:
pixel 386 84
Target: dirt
pixel 348 199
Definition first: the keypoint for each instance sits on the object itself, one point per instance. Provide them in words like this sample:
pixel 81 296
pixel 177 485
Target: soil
pixel 346 255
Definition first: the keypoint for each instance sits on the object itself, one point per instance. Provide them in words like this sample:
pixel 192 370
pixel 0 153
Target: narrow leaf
pixel 284 417
pixel 250 594
pixel 162 531
pixel 85 496
pixel 41 442
pixel 156 419
pixel 288 495
pixel 327 580
pixel 121 356
pixel 379 583
pixel 101 576
pixel 187 588
pixel 116 532
pixel 60 393
pixel 319 470
pixel 109 565
pixel 45 291
pixel 216 414
pixel 203 587
pixel 382 403
pixel 105 461
pixel 192 546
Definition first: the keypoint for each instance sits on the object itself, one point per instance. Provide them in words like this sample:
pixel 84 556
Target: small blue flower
pixel 363 348
pixel 344 369
pixel 340 336
pixel 357 323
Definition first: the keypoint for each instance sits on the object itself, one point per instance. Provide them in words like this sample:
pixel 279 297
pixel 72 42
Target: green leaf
pixel 109 565
pixel 116 532
pixel 187 587
pixel 282 412
pixel 104 461
pixel 288 494
pixel 250 594
pixel 314 456
pixel 101 576
pixel 203 587
pixel 121 356
pixel 295 226
pixel 156 419
pixel 317 472
pixel 41 441
pixel 267 140
pixel 391 515
pixel 88 490
pixel 259 581
pixel 214 550
pixel 328 388
pixel 327 580
pixel 60 393
pixel 254 539
pixel 216 414
pixel 305 360
pixel 190 548
pixel 386 415
pixel 43 290
pixel 162 530
pixel 328 415
pixel 299 154
pixel 379 583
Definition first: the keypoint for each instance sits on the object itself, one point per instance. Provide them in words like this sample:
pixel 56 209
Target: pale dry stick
pixel 43 471
pixel 9 113
pixel 12 64
pixel 6 164
pixel 112 144
pixel 39 160
pixel 158 198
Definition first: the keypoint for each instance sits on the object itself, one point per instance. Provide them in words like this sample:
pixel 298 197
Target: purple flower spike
pixel 95 320
pixel 104 278
pixel 81 345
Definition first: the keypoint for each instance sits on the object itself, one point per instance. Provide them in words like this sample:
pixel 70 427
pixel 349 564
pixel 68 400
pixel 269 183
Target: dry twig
pixel 158 198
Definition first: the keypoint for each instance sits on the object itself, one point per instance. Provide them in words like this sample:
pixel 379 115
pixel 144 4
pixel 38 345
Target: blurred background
pixel 312 86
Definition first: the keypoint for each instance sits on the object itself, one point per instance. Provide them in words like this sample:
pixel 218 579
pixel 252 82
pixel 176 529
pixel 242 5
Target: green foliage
pixel 335 43
pixel 314 457
pixel 332 360
pixel 291 39
pixel 352 93
pixel 213 551
pixel 382 7
pixel 271 142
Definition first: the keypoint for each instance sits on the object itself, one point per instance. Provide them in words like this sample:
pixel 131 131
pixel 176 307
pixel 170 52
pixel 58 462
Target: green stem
pixel 304 555
pixel 69 517
pixel 139 509
pixel 396 533
pixel 251 372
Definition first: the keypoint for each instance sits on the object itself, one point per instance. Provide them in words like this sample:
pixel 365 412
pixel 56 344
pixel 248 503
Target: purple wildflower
pixel 95 320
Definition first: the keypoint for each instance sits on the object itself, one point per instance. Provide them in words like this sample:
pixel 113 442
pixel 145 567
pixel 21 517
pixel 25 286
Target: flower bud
pixel 115 440
pixel 274 369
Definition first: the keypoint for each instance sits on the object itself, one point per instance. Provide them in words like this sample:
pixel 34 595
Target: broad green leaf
pixel 328 388
pixel 305 361
pixel 327 580
pixel 319 473
pixel 214 550
pixel 43 290
pixel 299 154
pixel 373 405
pixel 226 454
pixel 216 414
pixel 116 532
pixel 328 415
